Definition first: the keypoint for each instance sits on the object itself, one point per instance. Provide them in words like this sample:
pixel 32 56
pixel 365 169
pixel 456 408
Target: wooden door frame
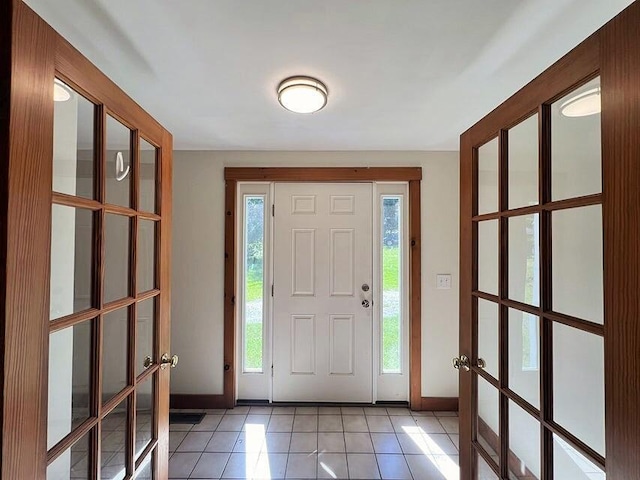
pixel 32 55
pixel 412 175
pixel 613 52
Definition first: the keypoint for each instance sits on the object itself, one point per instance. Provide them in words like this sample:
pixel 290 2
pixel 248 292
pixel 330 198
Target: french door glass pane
pixel 524 349
pixel 524 444
pixel 72 464
pixel 254 282
pixel 148 155
pixel 576 162
pixel 115 334
pixel 118 163
pixel 577 258
pixel 578 384
pixel 144 333
pixel 117 248
pixel 488 177
pixel 146 255
pixel 570 463
pixel 488 256
pixel 488 335
pixel 69 380
pixel 484 470
pixel 71 283
pixel 113 444
pixel 391 275
pixel 144 415
pixel 523 163
pixel 73 150
pixel 524 259
pixel 488 418
pixel 145 471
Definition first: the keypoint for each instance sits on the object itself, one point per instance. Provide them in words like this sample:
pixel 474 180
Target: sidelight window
pixel 391 267
pixel 253 257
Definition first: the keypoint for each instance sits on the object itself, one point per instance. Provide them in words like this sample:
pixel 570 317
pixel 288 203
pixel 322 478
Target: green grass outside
pixel 390 327
pixel 253 339
pixel 390 268
pixel 390 324
pixel 254 288
pixel 390 344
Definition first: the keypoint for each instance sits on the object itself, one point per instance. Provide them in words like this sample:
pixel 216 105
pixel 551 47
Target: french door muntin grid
pixel 98 409
pixel 547 317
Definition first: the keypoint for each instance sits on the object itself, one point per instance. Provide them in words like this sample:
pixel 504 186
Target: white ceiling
pixel 402 74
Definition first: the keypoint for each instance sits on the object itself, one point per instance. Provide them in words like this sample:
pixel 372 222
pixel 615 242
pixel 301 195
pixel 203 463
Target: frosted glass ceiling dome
pixel 302 94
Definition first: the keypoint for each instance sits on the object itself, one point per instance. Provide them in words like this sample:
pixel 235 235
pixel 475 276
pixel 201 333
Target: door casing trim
pixel 412 175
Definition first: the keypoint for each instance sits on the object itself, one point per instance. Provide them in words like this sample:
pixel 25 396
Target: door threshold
pixel 247 403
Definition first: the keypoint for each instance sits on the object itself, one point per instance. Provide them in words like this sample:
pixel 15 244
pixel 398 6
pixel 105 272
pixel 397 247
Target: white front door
pixel 322 310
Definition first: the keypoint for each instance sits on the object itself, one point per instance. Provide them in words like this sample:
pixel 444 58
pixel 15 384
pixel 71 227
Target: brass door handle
pixel 461 363
pixel 168 361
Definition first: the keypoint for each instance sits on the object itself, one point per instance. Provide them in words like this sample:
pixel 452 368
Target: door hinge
pixel 272 289
pixel 271 371
pixel 273 210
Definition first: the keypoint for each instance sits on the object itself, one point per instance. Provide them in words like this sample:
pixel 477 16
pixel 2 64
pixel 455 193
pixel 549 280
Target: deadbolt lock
pixel 365 287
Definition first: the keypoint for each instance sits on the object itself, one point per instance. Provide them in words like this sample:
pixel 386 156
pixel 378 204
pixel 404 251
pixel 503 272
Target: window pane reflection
pixel 488 177
pixel 488 257
pixel 71 272
pixel 147 177
pixel 72 464
pixel 524 259
pixel 69 380
pixel 73 152
pixel 523 163
pixel 114 437
pixel 576 163
pixel 118 163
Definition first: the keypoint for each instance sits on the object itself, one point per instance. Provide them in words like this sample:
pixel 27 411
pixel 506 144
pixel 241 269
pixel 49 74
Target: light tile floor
pixel 316 442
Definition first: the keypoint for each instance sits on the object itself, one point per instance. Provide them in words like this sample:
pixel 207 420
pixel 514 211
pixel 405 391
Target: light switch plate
pixel 443 281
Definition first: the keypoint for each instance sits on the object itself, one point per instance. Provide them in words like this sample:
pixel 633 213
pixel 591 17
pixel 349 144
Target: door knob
pixel 481 363
pixel 168 361
pixel 461 363
pixel 366 303
pixel 147 362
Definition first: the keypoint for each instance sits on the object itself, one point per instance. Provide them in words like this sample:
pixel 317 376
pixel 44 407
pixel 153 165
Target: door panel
pixel 322 330
pixel 57 339
pixel 103 396
pixel 537 362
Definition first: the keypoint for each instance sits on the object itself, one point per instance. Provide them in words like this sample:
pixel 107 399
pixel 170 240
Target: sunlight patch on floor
pixel 447 467
pixel 255 437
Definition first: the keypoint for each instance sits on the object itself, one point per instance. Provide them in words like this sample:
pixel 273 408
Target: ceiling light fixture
pixel 583 104
pixel 302 94
pixel 61 92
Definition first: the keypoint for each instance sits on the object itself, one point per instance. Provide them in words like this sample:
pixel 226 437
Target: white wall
pixel 198 258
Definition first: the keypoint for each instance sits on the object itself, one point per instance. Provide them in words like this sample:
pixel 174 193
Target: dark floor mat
pixel 192 418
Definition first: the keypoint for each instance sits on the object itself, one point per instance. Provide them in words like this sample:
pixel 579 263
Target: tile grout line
pixel 317 432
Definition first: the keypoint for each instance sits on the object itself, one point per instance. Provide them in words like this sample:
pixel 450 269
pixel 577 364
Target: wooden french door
pixel 87 277
pixel 549 271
